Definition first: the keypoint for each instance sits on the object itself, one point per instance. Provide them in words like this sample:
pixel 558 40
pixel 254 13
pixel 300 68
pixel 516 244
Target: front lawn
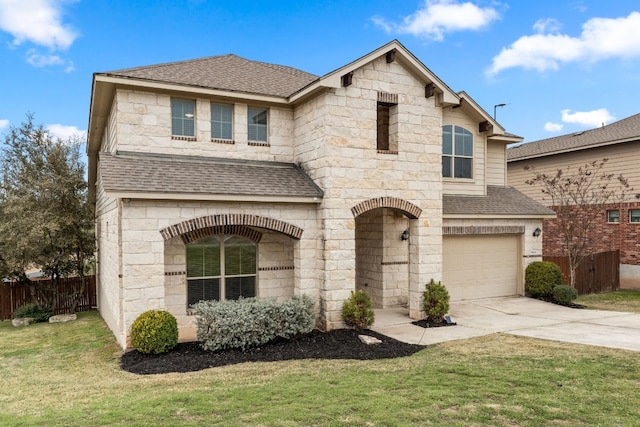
pixel 68 375
pixel 622 300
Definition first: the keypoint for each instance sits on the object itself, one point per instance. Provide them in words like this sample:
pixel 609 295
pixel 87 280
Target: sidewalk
pixel 518 316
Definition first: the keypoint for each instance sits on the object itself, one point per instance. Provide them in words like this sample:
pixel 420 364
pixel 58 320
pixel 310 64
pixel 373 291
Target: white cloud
pixel 592 118
pixel 547 25
pixel 67 132
pixel 438 17
pixel 36 21
pixel 4 123
pixel 38 60
pixel 553 127
pixel 601 38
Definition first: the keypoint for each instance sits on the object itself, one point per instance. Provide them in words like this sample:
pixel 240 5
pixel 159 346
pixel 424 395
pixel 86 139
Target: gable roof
pixel 224 72
pixel 499 201
pixel 159 176
pixel 624 130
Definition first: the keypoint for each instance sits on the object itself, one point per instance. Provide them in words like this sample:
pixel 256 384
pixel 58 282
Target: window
pixel 257 124
pixel 183 112
pixel 221 121
pixel 634 215
pixel 221 267
pixel 613 215
pixel 383 126
pixel 457 152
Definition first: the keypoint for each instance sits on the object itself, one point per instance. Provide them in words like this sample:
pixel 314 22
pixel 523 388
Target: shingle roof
pixel 621 131
pixel 225 72
pixel 166 174
pixel 498 201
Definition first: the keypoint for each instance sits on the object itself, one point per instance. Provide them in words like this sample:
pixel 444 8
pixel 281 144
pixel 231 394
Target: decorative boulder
pixel 22 321
pixel 61 318
pixel 369 340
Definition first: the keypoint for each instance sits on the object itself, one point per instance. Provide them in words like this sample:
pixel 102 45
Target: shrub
pixel 252 322
pixel 357 311
pixel 40 313
pixel 564 294
pixel 435 301
pixel 541 277
pixel 154 332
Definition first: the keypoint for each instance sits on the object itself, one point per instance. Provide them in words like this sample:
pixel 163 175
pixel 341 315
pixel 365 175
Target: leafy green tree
pixel 578 196
pixel 46 220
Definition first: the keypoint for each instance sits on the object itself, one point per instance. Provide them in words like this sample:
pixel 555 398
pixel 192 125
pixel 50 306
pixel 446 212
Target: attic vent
pixel 388 98
pixel 578 133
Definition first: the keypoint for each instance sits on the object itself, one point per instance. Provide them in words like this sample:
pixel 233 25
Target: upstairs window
pixel 257 124
pixel 457 152
pixel 613 216
pixel 634 215
pixel 183 115
pixel 222 121
pixel 221 267
pixel 387 122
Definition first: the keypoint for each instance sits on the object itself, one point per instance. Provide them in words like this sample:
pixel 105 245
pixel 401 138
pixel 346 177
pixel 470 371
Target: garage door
pixel 480 266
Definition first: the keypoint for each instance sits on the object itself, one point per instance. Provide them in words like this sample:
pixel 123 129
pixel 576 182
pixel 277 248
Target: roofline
pixel 213 197
pixel 497 216
pixel 333 78
pixel 568 150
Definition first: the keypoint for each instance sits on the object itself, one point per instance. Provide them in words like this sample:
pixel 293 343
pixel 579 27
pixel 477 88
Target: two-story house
pixel 222 177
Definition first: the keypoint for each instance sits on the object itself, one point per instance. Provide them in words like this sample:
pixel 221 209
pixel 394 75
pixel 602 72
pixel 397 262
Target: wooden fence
pixel 13 295
pixel 597 273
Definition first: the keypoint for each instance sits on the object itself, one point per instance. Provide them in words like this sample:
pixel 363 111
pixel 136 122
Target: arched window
pixel 457 152
pixel 220 267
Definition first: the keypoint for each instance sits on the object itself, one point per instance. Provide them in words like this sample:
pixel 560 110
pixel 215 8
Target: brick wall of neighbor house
pixel 337 146
pixel 144 125
pixel 624 235
pixel 154 272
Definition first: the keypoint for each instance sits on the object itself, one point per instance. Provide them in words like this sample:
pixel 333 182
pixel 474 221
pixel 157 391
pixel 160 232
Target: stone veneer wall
pixel 153 270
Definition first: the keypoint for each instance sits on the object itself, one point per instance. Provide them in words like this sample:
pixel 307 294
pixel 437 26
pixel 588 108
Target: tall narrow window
pixel 257 124
pixel 221 267
pixel 183 114
pixel 221 121
pixel 383 126
pixel 457 152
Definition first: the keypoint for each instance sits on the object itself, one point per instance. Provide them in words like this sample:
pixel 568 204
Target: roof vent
pixel 578 133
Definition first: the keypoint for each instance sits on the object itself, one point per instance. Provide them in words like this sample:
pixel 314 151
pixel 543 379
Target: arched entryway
pixel 382 249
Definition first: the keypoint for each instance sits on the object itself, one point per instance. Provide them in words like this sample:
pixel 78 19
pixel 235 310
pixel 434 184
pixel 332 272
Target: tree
pixel 45 216
pixel 578 197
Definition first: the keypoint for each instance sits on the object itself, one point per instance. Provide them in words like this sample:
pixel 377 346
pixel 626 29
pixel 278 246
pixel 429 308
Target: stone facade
pixel 378 226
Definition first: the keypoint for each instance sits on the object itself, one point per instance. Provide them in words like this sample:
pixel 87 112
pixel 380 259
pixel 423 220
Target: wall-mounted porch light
pixel 537 232
pixel 404 235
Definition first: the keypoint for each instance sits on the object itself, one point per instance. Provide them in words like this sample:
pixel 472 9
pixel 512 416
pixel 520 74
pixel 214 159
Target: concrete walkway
pixel 518 316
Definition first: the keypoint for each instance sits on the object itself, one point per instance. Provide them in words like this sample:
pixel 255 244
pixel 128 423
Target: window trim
pixel 609 217
pixel 231 122
pixel 453 156
pixel 255 141
pixel 223 237
pixel 183 136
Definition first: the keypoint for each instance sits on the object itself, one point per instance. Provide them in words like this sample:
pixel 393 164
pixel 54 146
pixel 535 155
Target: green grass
pixel 68 375
pixel 622 300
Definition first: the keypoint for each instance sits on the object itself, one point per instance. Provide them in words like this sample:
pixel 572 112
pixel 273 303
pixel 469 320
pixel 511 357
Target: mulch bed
pixel 336 344
pixel 553 301
pixel 424 323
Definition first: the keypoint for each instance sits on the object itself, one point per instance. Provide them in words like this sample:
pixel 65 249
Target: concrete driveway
pixel 518 316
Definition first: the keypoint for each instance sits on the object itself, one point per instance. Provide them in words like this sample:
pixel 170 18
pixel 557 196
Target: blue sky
pixel 560 66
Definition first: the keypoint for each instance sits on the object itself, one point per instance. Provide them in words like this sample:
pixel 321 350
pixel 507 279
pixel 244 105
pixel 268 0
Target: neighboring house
pixel 222 177
pixel 618 142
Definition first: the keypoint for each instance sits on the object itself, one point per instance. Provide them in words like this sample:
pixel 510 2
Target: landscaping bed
pixel 336 344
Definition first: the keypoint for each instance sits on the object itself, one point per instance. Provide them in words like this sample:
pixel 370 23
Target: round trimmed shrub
pixel 541 277
pixel 435 300
pixel 154 332
pixel 357 311
pixel 564 295
pixel 39 313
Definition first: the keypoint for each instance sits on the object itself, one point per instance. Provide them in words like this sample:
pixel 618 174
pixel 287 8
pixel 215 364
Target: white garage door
pixel 480 266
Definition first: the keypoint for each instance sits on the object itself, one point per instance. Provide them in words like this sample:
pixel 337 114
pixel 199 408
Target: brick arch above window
pixel 239 224
pixel 408 208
